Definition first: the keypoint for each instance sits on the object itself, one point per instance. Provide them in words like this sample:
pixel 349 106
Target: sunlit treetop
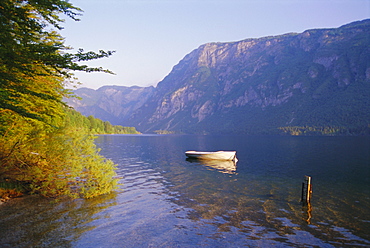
pixel 31 47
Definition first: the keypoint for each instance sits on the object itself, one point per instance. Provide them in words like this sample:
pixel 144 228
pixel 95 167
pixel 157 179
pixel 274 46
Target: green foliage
pixel 41 145
pixel 164 132
pixel 96 126
pixel 31 49
pixel 311 130
pixel 54 161
pixel 325 131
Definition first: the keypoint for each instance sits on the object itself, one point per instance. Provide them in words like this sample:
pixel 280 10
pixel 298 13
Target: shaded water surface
pixel 167 201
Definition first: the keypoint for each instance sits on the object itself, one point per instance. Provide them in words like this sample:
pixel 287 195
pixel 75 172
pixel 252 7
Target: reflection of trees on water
pixel 33 221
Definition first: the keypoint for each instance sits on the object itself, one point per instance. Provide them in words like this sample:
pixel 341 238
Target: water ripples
pixel 166 201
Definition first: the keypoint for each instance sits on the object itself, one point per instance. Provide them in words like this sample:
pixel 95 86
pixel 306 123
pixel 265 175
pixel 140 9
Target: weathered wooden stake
pixel 306 190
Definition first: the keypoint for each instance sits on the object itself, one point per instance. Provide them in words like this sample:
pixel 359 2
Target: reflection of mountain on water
pixel 223 166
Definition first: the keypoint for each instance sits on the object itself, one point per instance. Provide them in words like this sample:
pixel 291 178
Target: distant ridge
pixel 315 82
pixel 110 103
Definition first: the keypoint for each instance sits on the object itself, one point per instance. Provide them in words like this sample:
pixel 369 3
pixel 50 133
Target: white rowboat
pixel 219 155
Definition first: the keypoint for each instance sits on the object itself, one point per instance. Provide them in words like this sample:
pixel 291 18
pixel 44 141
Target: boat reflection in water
pixel 223 166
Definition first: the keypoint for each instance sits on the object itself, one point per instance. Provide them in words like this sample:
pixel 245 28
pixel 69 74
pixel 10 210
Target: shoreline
pixel 8 194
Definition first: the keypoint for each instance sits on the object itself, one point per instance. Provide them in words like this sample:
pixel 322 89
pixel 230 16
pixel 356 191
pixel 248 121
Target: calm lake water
pixel 167 201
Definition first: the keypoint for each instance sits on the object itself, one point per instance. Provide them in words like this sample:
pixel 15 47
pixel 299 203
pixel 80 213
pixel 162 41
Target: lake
pixel 166 201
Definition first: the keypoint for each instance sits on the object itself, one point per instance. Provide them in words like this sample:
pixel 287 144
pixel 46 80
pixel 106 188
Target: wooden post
pixel 306 190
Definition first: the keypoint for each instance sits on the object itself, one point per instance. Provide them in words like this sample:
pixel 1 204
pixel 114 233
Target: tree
pixel 31 47
pixel 39 145
pixel 108 128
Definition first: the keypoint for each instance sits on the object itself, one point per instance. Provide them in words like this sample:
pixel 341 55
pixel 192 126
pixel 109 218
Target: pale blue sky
pixel 152 36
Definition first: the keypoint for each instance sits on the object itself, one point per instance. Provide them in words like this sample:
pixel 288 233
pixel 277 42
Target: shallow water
pixel 167 201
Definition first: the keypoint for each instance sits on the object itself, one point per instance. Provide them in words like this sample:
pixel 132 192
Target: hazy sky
pixel 152 36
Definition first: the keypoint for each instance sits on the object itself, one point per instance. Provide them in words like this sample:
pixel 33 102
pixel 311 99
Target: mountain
pixel 110 103
pixel 317 81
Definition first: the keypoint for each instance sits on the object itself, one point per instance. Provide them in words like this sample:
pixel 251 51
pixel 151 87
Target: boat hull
pixel 219 155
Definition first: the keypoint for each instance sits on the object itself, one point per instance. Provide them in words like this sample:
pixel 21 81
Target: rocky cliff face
pixel 254 84
pixel 320 77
